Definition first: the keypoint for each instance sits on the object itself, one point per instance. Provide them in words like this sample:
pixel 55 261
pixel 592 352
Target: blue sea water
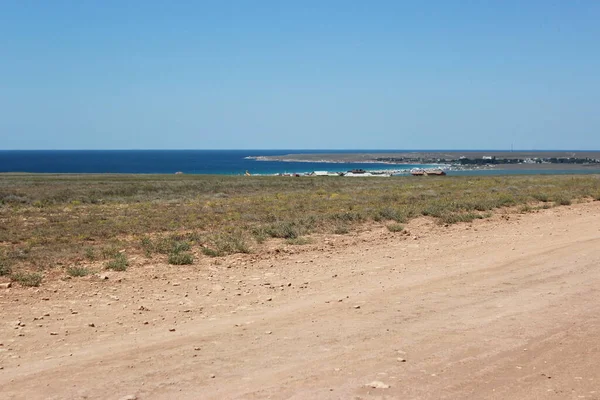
pixel 230 162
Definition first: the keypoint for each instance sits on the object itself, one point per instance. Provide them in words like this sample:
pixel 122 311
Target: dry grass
pixel 76 219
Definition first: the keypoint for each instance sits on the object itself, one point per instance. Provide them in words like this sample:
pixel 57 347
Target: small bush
pixel 260 234
pixel 563 201
pixel 163 245
pixel 110 252
pixel 78 272
pixel 459 217
pixel 226 243
pixel 341 229
pixel 388 214
pixel 543 197
pixel 118 263
pixel 284 230
pixel 395 227
pixel 27 279
pixel 181 258
pixel 524 209
pixel 180 246
pixel 147 246
pixel 207 251
pixel 298 241
pixel 90 254
pixel 5 269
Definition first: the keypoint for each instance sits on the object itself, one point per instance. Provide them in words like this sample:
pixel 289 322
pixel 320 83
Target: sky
pixel 325 74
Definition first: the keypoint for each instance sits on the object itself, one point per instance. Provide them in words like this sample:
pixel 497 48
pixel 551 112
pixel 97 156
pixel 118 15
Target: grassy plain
pixel 68 222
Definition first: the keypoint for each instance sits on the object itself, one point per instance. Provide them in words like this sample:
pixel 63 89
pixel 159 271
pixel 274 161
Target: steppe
pixel 470 288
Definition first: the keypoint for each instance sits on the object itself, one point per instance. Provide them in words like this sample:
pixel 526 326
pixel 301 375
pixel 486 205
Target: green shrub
pixel 110 252
pixel 389 214
pixel 341 229
pixel 284 230
pixel 77 271
pixel 226 243
pixel 27 279
pixel 5 269
pixel 210 252
pixel 453 218
pixel 524 209
pixel 260 234
pixel 180 258
pixel 543 197
pixel 147 246
pixel 298 241
pixel 118 263
pixel 180 246
pixel 395 227
pixel 90 254
pixel 562 200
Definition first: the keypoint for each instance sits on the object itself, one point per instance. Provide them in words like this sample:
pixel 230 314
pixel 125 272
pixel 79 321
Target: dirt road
pixel 502 309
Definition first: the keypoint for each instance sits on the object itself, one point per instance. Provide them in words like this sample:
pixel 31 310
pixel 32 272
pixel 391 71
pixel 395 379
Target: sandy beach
pixel 500 308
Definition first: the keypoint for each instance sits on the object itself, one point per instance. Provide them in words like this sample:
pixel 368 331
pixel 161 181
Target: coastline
pixel 447 160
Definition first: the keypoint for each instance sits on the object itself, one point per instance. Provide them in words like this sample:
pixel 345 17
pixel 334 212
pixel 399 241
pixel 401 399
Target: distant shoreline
pixel 451 159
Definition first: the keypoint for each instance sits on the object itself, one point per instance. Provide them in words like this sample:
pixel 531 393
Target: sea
pixel 220 162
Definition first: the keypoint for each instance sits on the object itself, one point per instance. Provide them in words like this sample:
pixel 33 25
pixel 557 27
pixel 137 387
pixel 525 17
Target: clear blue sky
pixel 299 74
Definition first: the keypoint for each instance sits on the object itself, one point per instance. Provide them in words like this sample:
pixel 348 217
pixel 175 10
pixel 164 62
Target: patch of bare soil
pixel 496 309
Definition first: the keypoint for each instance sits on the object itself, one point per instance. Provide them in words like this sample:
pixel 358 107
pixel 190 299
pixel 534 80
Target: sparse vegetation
pixel 32 279
pixel 181 258
pixel 226 243
pixel 50 219
pixel 395 227
pixel 301 241
pixel 525 208
pixel 78 271
pixel 5 268
pixel 118 263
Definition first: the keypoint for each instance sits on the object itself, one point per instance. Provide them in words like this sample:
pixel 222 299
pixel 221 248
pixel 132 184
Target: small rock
pixel 92 325
pixel 197 348
pixel 268 332
pixel 5 285
pixel 171 329
pixel 53 333
pixel 212 376
pixel 378 385
pixel 402 359
pixel 129 397
pixel 356 307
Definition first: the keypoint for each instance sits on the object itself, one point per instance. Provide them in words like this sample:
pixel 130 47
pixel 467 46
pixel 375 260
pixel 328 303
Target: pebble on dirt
pixel 378 385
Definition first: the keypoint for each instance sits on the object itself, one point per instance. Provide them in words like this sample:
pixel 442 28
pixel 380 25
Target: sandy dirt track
pixel 507 308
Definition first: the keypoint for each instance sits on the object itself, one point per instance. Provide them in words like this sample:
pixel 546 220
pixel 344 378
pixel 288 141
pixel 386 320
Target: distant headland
pixel 459 159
